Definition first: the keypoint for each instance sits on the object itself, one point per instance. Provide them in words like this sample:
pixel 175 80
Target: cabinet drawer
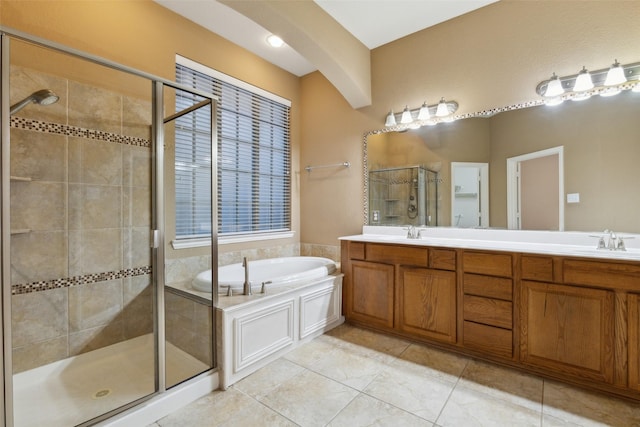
pixel 488 339
pixel 602 274
pixel 391 254
pixel 487 263
pixel 489 311
pixel 537 268
pixel 487 286
pixel 356 250
pixel 442 259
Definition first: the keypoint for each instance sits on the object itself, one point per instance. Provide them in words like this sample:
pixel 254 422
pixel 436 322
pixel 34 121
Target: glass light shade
pixel 554 87
pixel 615 75
pixel 406 116
pixel 391 119
pixel 583 81
pixel 636 88
pixel 423 114
pixel 442 109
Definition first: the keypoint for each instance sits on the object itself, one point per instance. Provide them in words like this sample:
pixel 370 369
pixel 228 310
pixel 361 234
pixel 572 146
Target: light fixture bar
pixel 630 72
pixel 425 114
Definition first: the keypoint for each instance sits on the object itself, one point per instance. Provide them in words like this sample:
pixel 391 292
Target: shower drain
pixel 101 393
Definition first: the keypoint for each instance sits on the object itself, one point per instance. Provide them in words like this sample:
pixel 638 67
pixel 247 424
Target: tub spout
pixel 246 287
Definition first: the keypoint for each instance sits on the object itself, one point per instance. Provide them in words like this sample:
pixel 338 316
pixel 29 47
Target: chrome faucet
pixel 246 286
pixel 612 240
pixel 413 232
pixel 614 243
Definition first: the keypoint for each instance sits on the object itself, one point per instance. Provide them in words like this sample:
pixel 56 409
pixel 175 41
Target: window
pixel 253 158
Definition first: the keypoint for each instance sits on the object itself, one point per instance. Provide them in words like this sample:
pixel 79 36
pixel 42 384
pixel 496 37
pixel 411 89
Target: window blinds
pixel 253 160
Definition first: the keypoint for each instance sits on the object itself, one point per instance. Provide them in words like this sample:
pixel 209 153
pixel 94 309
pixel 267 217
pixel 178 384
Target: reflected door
pixel 535 189
pixel 469 194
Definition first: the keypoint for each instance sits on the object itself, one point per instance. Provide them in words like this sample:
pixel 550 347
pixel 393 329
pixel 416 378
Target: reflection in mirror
pixel 469 194
pixel 600 138
pixel 403 196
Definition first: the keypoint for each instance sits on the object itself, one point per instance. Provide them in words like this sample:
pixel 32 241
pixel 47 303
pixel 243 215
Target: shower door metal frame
pixel 157 240
pixel 6 374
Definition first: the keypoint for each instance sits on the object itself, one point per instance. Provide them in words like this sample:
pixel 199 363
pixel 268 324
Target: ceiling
pixel 373 22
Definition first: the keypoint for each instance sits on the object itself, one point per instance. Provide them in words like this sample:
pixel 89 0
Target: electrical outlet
pixel 376 216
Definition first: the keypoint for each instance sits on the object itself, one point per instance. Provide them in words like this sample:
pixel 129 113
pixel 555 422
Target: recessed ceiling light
pixel 275 41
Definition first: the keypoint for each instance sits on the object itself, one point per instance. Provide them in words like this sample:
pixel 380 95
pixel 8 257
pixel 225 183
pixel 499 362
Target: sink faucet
pixel 612 240
pixel 246 287
pixel 413 232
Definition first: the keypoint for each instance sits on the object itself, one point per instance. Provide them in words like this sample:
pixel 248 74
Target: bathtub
pixel 302 300
pixel 274 272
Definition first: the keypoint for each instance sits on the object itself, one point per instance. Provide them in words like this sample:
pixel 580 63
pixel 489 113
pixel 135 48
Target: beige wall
pixel 146 36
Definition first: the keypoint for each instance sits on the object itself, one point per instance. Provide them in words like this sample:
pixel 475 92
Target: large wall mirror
pixel 600 139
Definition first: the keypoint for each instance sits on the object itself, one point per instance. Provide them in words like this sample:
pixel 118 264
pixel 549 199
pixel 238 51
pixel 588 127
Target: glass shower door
pixel 81 294
pixel 190 171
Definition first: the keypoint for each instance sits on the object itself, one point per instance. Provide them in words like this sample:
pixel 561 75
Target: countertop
pixel 574 244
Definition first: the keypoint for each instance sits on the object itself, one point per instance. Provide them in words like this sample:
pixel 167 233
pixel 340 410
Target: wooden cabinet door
pixel 370 295
pixel 427 303
pixel 634 341
pixel 568 329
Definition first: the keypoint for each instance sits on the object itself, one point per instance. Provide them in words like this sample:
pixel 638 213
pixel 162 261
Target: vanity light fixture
pixel 443 109
pixel 605 82
pixel 425 115
pixel 583 81
pixel 615 75
pixel 406 116
pixel 554 87
pixel 391 119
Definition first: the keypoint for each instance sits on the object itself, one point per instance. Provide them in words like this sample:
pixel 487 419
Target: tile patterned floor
pixel 354 377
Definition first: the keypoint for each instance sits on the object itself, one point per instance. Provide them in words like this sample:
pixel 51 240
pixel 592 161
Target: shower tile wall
pixel 389 196
pixel 80 219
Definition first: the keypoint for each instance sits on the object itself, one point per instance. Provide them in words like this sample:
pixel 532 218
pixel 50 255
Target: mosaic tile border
pixel 55 128
pixel 45 285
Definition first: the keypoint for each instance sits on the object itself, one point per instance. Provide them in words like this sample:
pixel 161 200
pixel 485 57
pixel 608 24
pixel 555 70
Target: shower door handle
pixel 155 239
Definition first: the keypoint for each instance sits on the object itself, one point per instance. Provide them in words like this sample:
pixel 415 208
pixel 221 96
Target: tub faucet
pixel 246 287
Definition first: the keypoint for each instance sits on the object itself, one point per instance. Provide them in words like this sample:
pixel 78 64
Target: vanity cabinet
pixel 634 340
pixel 410 290
pixel 575 319
pixel 487 306
pixel 371 293
pixel 568 329
pixel 427 303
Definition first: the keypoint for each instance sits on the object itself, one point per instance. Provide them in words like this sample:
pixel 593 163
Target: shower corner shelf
pixel 466 195
pixel 20 178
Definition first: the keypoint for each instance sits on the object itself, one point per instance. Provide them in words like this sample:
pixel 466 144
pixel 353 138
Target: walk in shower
pixel 403 196
pixel 87 167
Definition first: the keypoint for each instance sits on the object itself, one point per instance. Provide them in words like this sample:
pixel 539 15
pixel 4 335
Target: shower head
pixel 41 97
